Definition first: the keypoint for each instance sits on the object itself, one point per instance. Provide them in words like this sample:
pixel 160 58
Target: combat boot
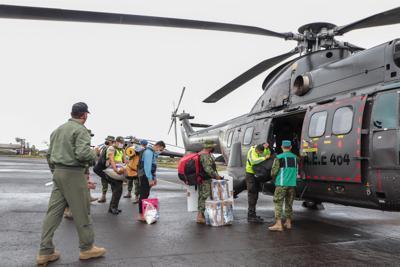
pixel 102 199
pixel 277 227
pixel 288 224
pixel 42 260
pixel 94 252
pixel 253 218
pixel 200 218
pixel 128 195
pixel 113 211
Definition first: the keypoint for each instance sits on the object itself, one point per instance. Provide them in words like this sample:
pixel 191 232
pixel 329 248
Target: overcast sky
pixel 130 75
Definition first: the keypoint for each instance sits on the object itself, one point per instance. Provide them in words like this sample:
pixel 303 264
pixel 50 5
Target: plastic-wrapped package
pixel 228 212
pixel 219 190
pixel 214 190
pixel 151 214
pixel 218 212
pixel 211 211
pixel 117 176
pixel 150 210
pixel 224 195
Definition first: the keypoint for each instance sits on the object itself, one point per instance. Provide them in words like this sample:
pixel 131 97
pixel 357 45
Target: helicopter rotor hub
pixel 316 28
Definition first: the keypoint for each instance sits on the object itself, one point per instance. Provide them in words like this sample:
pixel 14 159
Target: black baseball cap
pixel 80 107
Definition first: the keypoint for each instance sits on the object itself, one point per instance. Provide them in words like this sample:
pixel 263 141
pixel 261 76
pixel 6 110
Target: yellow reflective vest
pixel 253 158
pixel 118 155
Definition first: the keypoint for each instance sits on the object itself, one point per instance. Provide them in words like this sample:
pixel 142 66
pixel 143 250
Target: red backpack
pixel 189 169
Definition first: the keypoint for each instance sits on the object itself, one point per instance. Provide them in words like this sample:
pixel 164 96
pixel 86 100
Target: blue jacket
pixel 149 161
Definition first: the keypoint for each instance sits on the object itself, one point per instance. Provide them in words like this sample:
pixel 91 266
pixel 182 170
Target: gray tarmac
pixel 338 235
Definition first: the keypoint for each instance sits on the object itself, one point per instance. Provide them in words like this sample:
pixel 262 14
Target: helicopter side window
pixel 248 136
pixel 342 120
pixel 385 111
pixel 230 137
pixel 317 124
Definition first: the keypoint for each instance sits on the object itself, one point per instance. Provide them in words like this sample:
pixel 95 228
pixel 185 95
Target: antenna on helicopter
pixel 174 116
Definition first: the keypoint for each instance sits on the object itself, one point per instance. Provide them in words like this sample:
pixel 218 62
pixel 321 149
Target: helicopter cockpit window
pixel 342 120
pixel 385 111
pixel 229 140
pixel 248 136
pixel 317 124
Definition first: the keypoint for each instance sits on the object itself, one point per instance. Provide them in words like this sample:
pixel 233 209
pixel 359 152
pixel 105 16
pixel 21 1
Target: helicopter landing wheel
pixel 313 205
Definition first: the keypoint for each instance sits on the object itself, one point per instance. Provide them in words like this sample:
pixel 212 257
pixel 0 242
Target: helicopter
pixel 135 141
pixel 337 102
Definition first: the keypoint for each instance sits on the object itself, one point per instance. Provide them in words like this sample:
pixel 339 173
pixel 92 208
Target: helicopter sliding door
pixel 331 141
pixel 385 137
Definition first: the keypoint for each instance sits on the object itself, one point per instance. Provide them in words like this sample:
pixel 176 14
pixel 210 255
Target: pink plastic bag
pixel 150 210
pixel 147 201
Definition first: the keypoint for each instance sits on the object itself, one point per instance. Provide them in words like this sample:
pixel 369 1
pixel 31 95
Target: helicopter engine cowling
pixel 193 141
pixel 302 84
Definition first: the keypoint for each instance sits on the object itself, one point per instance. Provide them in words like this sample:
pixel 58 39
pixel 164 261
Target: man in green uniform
pixel 91 186
pixel 255 155
pixel 284 170
pixel 68 155
pixel 208 172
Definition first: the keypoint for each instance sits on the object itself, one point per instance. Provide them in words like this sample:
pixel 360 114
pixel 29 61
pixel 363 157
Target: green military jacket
pixel 70 146
pixel 207 162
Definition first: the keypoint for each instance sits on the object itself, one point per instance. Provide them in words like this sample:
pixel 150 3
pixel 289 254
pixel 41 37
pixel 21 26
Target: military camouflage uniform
pixel 104 185
pixel 209 167
pixel 284 194
pixel 133 181
pixel 285 191
pixel 204 193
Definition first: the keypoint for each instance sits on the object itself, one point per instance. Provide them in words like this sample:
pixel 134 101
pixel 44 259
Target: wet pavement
pixel 337 235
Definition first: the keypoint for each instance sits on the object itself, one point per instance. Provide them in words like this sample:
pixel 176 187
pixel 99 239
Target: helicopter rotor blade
pixel 56 14
pixel 172 123
pixel 388 17
pixel 180 99
pixel 246 76
pixel 176 134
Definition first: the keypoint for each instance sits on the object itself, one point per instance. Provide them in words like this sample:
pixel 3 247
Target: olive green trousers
pixel 69 188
